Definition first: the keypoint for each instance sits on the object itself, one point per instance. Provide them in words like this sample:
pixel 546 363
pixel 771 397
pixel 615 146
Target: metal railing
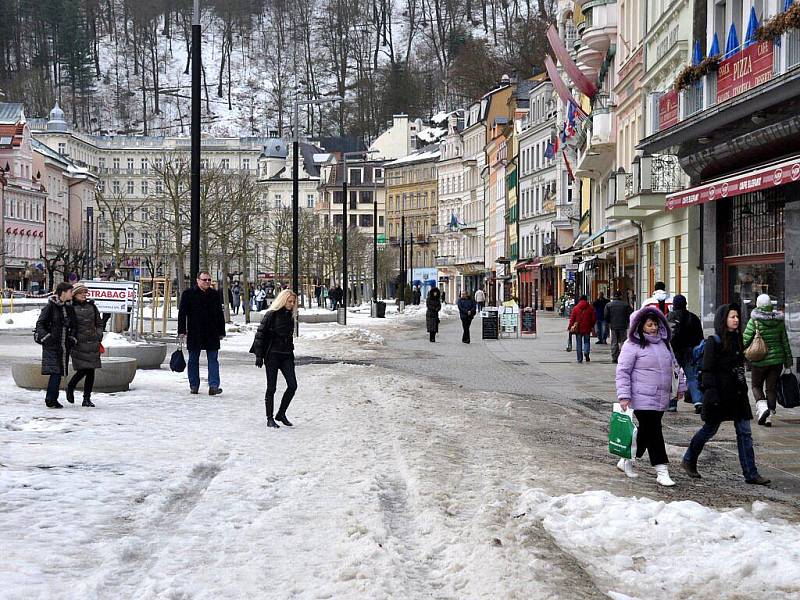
pixel 666 173
pixel 693 98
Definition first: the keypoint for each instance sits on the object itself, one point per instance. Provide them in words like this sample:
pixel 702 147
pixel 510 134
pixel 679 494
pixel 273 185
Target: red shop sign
pixel 781 173
pixel 667 109
pixel 744 70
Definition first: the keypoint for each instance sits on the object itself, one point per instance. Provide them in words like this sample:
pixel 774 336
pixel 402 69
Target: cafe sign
pixel 744 70
pixel 667 109
pixel 762 178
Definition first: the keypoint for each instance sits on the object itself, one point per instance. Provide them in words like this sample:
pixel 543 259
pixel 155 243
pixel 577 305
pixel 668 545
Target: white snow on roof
pixel 416 157
pixel 440 117
pixel 322 157
pixel 432 134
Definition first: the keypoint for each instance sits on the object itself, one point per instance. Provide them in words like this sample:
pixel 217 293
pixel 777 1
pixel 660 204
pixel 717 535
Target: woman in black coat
pixel 88 330
pixel 273 345
pixel 725 396
pixel 434 305
pixel 54 333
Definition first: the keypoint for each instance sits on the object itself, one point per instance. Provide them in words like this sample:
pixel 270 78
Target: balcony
pixel 602 25
pixel 589 60
pixel 445 261
pixel 619 189
pixel 653 178
pixel 597 155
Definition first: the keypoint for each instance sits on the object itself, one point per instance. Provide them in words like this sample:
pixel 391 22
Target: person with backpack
pixel 581 322
pixel 54 331
pixel 687 333
pixel 644 382
pixel 770 325
pixel 725 394
pixel 660 298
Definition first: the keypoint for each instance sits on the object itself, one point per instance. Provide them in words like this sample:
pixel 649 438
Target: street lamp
pixel 194 237
pixel 296 188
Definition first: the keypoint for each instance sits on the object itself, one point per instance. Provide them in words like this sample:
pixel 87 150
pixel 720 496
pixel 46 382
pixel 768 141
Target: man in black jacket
pixel 617 314
pixel 202 323
pixel 466 310
pixel 687 332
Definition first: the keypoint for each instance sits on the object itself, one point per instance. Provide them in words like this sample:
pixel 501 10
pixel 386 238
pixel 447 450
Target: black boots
pixel 433 337
pixel 52 403
pixel 70 395
pixel 213 391
pixel 691 469
pixel 282 418
pixel 87 402
pixel 271 423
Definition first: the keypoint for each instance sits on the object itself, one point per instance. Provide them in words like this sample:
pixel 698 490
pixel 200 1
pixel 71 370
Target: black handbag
pixel 177 362
pixel 788 390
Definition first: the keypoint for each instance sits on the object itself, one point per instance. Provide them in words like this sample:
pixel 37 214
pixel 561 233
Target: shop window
pixel 755 224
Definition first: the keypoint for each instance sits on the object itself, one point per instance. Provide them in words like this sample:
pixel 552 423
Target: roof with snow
pixel 275 148
pixel 422 155
pixel 431 135
pixel 47 151
pixel 11 113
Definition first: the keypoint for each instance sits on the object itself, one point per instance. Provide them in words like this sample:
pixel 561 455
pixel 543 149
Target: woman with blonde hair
pixel 273 345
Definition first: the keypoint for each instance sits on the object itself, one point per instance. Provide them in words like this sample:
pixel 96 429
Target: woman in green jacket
pixel 779 355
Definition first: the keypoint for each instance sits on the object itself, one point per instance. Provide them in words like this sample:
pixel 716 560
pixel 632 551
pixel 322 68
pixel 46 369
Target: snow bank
pixel 114 340
pixel 701 552
pixel 342 333
pixel 21 320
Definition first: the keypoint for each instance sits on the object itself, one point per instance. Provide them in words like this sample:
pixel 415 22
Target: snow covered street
pixel 390 485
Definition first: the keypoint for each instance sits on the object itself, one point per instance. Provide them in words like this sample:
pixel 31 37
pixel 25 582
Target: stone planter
pixel 115 376
pixel 148 356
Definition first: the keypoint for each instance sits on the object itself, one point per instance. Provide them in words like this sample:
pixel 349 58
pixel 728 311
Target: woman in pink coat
pixel 644 382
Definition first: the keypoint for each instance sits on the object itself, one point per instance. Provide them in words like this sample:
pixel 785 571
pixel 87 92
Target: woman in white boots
pixel 644 382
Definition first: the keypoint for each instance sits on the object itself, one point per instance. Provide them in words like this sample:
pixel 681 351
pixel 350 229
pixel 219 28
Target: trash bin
pixel 341 315
pixel 380 309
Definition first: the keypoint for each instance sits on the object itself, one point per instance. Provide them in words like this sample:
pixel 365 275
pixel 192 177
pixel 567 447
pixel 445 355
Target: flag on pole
pixel 570 174
pixel 549 152
pixel 555 145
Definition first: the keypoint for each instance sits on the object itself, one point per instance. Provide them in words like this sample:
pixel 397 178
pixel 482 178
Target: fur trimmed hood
pixel 640 316
pixel 759 314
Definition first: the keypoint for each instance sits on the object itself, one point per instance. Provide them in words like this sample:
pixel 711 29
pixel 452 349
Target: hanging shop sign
pixel 781 173
pixel 744 70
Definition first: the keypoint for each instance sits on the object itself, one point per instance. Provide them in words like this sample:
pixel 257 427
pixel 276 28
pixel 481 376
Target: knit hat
pixel 764 301
pixel 679 302
pixel 78 288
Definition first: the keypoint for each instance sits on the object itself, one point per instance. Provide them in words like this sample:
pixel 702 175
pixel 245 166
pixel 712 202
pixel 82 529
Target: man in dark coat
pixel 434 304
pixel 202 323
pixel 54 333
pixel 617 314
pixel 466 310
pixel 687 332
pixel 599 306
pixel 416 296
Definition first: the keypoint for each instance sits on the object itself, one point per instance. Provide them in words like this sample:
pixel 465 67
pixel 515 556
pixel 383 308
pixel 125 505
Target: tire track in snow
pixel 139 551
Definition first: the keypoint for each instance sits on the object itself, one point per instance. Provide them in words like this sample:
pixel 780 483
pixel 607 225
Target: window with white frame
pixel 115 186
pixel 130 187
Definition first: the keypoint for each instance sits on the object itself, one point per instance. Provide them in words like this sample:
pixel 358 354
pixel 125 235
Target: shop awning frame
pixel 594 249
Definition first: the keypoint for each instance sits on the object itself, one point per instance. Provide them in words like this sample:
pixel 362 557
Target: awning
pixel 594 236
pixel 752 180
pixel 566 258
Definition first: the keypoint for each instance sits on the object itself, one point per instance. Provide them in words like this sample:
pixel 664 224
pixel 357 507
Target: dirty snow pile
pixel 19 320
pixel 700 552
pixel 115 340
pixel 342 333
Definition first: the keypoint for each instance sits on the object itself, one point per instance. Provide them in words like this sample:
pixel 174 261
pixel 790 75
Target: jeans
pixel 87 385
pixel 52 387
pixel 650 437
pixel 618 337
pixel 602 332
pixel 690 370
pixel 285 364
pixel 582 345
pixel 744 442
pixel 193 368
pixel 769 376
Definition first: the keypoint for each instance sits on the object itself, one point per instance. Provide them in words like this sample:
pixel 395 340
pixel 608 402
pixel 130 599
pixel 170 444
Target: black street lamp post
pixel 194 237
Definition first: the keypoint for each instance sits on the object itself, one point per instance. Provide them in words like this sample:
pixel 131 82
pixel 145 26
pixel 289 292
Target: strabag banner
pixel 113 296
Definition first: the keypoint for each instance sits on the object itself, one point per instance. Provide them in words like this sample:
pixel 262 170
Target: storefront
pixel 528 272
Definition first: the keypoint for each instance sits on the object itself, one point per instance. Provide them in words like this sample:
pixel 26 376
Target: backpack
pixel 697 355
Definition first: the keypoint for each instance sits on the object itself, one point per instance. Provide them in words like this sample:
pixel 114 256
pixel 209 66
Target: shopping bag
pixel 621 432
pixel 177 362
pixel 788 390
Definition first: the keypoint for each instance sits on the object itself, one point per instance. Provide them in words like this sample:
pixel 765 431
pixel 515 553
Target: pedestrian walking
pixel 274 347
pixel 581 322
pixel 599 306
pixel 416 296
pixel 54 332
pixel 687 332
pixel 725 394
pixel 236 298
pixel 466 310
pixel 770 323
pixel 660 298
pixel 260 296
pixel 202 323
pixel 88 331
pixel 434 304
pixel 617 315
pixel 480 299
pixel 644 382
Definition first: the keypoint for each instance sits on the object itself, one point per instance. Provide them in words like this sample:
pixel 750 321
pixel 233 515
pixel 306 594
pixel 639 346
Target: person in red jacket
pixel 581 323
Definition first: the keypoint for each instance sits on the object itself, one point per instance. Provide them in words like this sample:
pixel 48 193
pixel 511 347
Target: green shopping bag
pixel 620 433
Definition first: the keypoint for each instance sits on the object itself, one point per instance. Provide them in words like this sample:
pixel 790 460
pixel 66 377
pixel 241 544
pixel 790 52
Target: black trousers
pixel 285 364
pixel 465 323
pixel 87 385
pixel 650 436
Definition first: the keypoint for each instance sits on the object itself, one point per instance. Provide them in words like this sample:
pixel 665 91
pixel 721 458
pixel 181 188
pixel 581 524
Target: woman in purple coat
pixel 644 382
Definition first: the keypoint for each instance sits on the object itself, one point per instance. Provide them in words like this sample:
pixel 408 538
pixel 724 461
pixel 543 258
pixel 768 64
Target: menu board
pixel 490 325
pixel 529 322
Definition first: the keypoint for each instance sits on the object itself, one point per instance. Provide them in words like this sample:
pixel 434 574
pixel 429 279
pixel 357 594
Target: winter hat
pixel 764 301
pixel 78 288
pixel 679 302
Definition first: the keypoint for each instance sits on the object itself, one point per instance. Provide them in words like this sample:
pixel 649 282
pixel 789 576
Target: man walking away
pixel 433 303
pixel 480 299
pixel 581 322
pixel 617 315
pixel 599 306
pixel 202 323
pixel 466 310
pixel 687 332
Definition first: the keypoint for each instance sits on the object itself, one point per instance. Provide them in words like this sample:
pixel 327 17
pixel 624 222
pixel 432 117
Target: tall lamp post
pixel 296 189
pixel 194 238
